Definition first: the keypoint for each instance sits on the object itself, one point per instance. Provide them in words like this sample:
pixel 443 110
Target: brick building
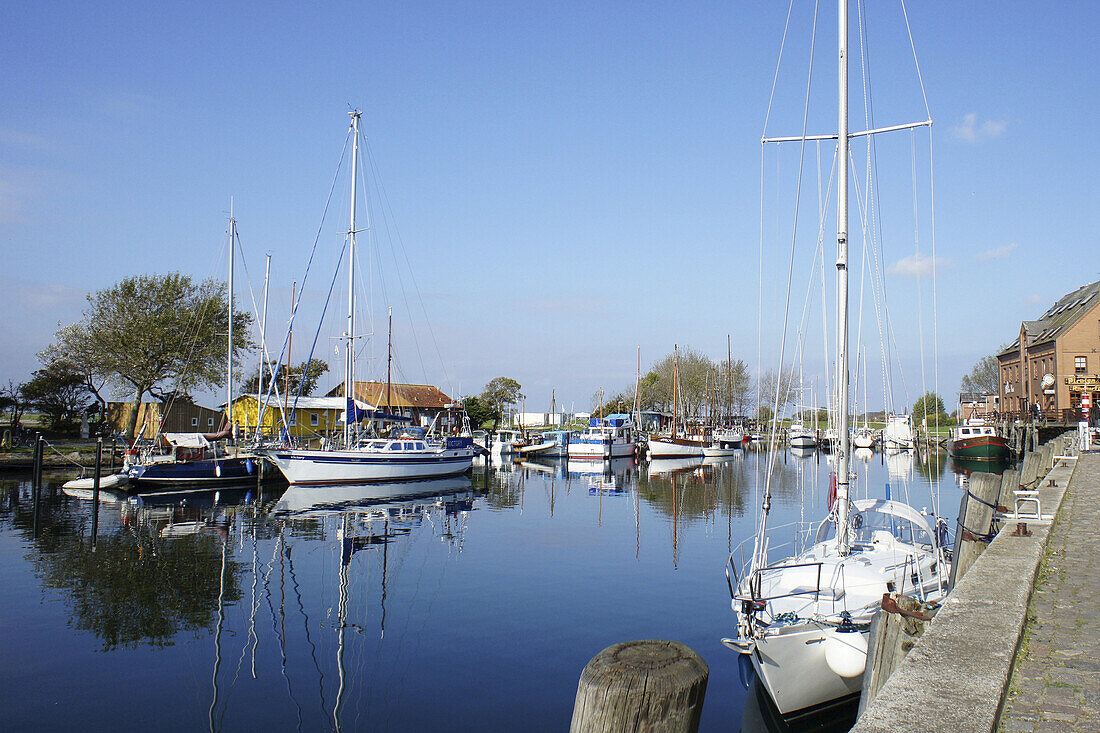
pixel 1056 357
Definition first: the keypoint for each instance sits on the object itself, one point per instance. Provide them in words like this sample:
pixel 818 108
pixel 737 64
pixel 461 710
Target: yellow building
pixel 307 417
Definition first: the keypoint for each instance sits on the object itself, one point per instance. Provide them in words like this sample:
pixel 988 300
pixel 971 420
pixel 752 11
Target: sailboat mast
pixel 263 334
pixel 675 385
pixel 229 345
pixel 842 495
pixel 729 380
pixel 389 360
pixel 349 356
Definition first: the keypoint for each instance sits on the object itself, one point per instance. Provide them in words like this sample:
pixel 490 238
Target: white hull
pixel 717 452
pixel 667 449
pixel 803 441
pixel 348 467
pixel 600 451
pixel 793 670
pixel 110 481
pixel 863 441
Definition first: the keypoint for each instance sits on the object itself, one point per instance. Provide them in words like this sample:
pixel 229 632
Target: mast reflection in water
pixel 469 603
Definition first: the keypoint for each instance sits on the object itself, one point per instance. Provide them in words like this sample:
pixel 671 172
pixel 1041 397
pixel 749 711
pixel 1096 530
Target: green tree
pixel 305 376
pixel 58 391
pixel 929 405
pixel 984 378
pixel 13 403
pixel 499 394
pixel 155 335
pixel 479 412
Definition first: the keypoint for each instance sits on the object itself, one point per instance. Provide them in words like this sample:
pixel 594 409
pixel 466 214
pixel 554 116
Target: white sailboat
pixel 406 453
pixel 803 620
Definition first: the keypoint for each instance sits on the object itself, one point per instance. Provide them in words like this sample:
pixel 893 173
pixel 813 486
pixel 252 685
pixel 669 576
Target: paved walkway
pixel 1055 682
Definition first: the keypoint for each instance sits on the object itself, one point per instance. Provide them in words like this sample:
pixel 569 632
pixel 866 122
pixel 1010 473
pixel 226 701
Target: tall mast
pixel 729 380
pixel 843 533
pixel 389 360
pixel 349 356
pixel 229 339
pixel 263 332
pixel 675 386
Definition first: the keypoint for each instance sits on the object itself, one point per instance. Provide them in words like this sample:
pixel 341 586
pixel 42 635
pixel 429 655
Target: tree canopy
pixel 155 335
pixel 929 405
pixel 500 393
pixel 58 391
pixel 304 376
pixel 984 378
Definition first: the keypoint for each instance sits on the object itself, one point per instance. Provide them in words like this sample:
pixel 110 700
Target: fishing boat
pixel 803 617
pixel 507 442
pixel 605 438
pixel 400 456
pixel 977 440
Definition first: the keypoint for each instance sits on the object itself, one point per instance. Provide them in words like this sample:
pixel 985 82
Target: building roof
pixel 417 396
pixel 311 403
pixel 1059 318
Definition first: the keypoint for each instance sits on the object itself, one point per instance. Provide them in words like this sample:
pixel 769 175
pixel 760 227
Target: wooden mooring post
pixel 975 522
pixel 95 490
pixel 894 630
pixel 648 685
pixel 36 479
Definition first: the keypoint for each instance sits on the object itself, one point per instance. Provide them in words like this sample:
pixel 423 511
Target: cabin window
pixel 419 446
pixel 410 446
pixel 293 419
pixel 314 420
pixel 194 422
pixel 1081 364
pixel 395 446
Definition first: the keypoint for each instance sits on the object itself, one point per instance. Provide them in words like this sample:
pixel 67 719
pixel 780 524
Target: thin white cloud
pixel 916 265
pixel 971 131
pixel 997 253
pixel 1034 299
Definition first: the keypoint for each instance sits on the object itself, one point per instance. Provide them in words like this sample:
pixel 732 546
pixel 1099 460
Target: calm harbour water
pixel 469 604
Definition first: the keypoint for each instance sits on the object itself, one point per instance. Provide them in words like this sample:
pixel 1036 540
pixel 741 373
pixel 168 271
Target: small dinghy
pixel 111 481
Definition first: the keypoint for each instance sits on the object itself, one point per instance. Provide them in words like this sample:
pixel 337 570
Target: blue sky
pixel 569 181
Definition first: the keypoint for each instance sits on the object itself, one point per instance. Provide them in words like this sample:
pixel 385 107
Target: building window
pixel 313 419
pixel 1081 364
pixel 210 421
pixel 293 419
pixel 194 422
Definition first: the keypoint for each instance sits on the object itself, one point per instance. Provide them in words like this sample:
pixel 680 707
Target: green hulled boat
pixel 978 440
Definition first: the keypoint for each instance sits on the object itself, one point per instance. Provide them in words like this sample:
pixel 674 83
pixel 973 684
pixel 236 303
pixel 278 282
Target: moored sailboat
pixel 400 456
pixel 803 618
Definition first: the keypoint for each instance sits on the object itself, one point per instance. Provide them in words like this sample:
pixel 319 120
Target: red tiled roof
pixel 421 396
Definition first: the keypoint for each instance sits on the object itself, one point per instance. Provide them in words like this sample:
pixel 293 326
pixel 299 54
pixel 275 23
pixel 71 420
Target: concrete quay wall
pixel 956 676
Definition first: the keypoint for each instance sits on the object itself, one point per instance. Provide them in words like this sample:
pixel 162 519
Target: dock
pixel 1016 645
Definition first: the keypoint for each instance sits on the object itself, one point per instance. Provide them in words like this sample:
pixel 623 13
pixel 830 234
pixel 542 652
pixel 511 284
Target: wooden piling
pixel 648 685
pixel 36 479
pixel 894 630
pixel 1029 472
pixel 975 521
pixel 1010 482
pixel 95 489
